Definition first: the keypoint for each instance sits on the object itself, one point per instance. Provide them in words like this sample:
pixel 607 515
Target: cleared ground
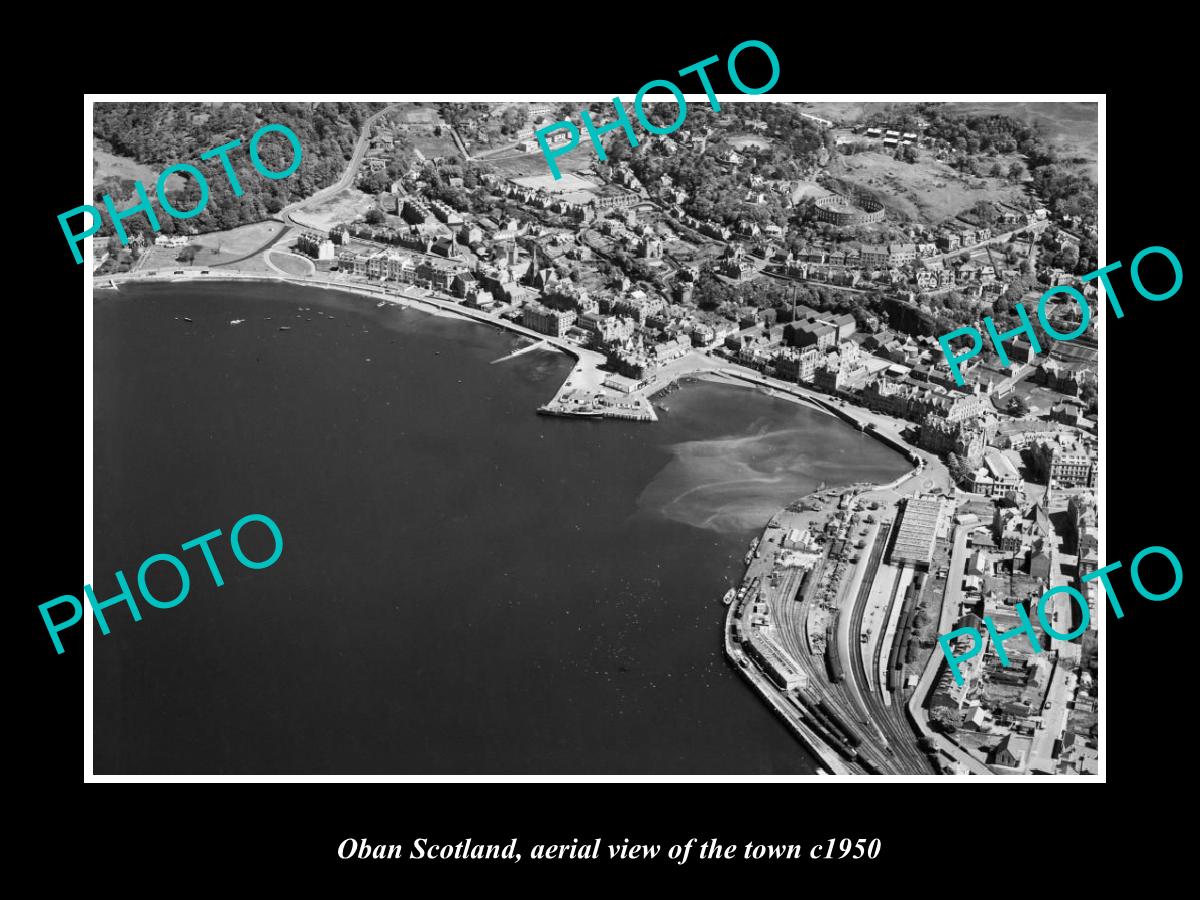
pixel 344 206
pixel 580 159
pixel 547 182
pixel 927 191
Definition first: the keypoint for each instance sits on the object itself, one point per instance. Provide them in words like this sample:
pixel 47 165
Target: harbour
pixel 393 479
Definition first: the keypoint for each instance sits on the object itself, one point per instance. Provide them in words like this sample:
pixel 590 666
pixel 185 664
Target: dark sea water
pixel 465 587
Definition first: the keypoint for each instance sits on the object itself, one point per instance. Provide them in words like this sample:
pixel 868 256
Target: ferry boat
pixel 584 413
pixel 729 595
pixel 753 548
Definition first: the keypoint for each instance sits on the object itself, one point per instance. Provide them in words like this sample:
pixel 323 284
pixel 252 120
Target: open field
pixel 547 182
pixel 290 263
pixel 430 144
pixel 106 165
pixel 580 159
pixel 742 141
pixel 838 112
pixel 415 114
pixel 928 191
pixel 344 206
pixel 226 246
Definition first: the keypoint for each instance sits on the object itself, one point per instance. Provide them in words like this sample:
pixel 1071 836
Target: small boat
pixel 381 304
pixel 285 327
pixel 236 321
pixel 729 595
pixel 186 319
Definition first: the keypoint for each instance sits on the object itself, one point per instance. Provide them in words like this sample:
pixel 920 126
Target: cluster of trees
pixel 976 133
pixel 160 134
pixel 459 114
pixel 1066 192
pixel 399 159
pixel 716 192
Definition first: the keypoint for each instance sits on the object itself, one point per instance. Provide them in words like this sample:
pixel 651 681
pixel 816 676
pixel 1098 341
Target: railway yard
pixel 821 625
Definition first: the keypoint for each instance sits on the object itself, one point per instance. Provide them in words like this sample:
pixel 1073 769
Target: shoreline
pixel 586 376
pixel 818 749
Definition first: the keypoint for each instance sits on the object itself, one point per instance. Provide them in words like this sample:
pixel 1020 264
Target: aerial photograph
pixel 657 467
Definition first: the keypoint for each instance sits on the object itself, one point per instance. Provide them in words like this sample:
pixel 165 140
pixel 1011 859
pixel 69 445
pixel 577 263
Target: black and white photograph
pixel 756 435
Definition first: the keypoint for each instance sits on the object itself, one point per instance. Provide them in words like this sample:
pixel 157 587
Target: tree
pixel 187 254
pixel 996 171
pixel 375 216
pixel 1016 172
pixel 958 466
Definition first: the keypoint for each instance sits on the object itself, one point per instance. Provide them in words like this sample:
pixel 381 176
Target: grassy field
pixel 106 165
pixel 547 182
pixel 838 112
pixel 580 159
pixel 226 246
pixel 344 206
pixel 293 265
pixel 742 141
pixel 430 144
pixel 927 191
pixel 415 114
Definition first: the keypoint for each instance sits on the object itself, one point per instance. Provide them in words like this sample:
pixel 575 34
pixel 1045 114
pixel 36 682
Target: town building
pixel 316 245
pixel 554 322
pixel 916 532
pixel 996 477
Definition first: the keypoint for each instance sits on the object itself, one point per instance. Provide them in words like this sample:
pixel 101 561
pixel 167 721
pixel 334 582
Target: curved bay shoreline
pixel 434 306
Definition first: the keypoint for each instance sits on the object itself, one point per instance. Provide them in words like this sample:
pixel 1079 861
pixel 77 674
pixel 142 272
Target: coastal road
pixel 285 214
pixel 347 179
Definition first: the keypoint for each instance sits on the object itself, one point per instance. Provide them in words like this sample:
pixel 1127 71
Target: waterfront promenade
pixel 583 387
